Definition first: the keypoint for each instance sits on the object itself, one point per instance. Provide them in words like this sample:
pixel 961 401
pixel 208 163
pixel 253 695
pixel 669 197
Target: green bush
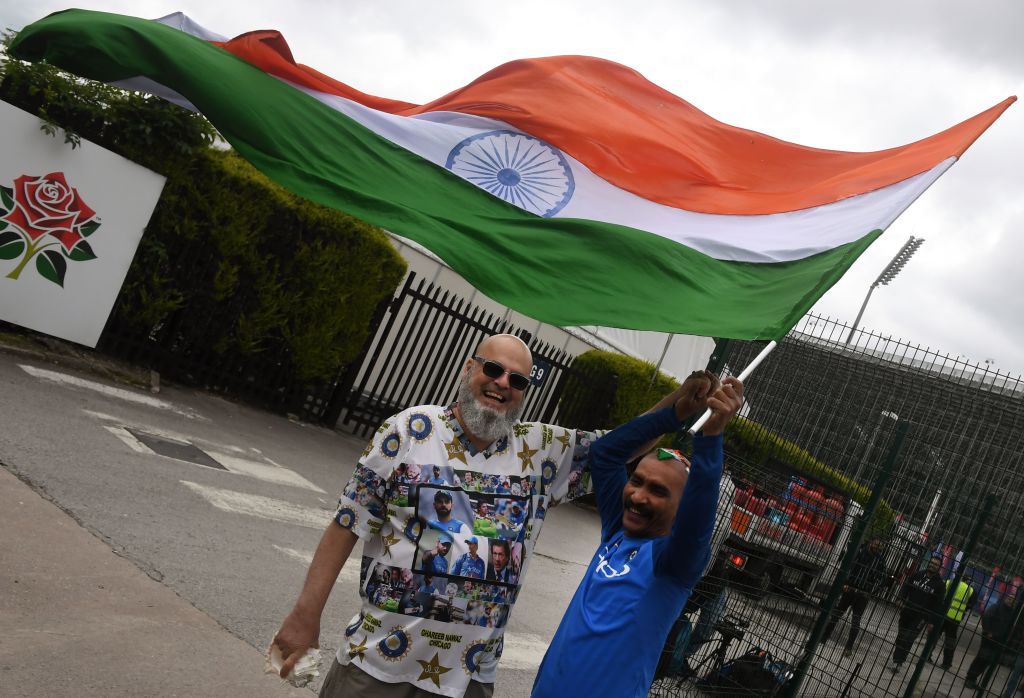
pixel 230 263
pixel 634 393
pixel 279 272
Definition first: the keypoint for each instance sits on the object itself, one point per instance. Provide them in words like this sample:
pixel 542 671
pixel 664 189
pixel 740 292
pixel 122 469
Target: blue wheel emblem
pixel 471 657
pixel 346 517
pixel 390 445
pixel 351 630
pixel 396 645
pixel 420 426
pixel 547 472
pixel 413 526
pixel 520 169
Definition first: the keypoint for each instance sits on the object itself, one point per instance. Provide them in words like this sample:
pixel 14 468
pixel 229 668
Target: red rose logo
pixel 45 212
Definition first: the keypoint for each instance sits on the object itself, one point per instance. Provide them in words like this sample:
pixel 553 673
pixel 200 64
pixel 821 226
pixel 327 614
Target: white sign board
pixel 70 222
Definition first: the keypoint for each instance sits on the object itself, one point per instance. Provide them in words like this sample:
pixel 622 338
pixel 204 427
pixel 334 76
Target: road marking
pixel 274 473
pixel 523 651
pixel 172 435
pixel 129 439
pixel 349 573
pixel 109 391
pixel 261 507
pixel 262 471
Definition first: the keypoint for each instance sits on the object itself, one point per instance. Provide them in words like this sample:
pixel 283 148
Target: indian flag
pixel 569 188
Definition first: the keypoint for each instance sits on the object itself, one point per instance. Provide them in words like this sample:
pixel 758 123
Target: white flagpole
pixel 742 377
pixel 654 376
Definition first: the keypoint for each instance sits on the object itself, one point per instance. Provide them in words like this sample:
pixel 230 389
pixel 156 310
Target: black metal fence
pixel 824 416
pixel 416 353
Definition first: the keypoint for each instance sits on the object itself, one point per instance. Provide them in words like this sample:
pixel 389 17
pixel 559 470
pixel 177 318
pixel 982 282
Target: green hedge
pixel 234 263
pixel 634 393
pixel 278 271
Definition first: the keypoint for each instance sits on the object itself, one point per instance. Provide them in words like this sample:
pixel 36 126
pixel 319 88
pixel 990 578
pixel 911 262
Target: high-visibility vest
pixel 962 597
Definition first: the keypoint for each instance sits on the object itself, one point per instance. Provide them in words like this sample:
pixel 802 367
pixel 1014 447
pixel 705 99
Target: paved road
pixel 233 535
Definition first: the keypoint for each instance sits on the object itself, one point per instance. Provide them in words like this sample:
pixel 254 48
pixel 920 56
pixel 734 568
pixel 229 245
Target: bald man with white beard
pixel 385 652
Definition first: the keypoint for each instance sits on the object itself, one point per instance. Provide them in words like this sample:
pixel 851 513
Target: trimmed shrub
pixel 634 393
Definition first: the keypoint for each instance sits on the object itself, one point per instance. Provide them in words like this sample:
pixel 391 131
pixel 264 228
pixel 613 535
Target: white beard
pixel 482 421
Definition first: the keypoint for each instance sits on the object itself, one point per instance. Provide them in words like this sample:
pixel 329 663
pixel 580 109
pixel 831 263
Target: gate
pixel 415 355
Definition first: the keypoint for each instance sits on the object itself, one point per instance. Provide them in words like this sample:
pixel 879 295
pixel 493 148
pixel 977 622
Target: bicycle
pixel 730 629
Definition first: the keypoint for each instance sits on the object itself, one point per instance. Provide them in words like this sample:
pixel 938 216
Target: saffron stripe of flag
pixel 568 188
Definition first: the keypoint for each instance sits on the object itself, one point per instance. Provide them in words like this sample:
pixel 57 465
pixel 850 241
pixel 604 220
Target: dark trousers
pixel 949 630
pixel 851 598
pixel 909 627
pixel 986 656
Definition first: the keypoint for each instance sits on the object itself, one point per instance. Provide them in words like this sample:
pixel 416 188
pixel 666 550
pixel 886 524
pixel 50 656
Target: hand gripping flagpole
pixel 698 425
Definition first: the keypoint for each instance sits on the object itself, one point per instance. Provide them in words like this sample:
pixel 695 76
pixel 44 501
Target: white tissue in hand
pixel 304 671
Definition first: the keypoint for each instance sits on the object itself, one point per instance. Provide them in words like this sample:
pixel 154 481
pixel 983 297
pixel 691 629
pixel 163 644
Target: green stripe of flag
pixel 562 271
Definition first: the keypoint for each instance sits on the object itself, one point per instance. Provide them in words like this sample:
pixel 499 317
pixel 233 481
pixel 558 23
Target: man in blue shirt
pixel 435 478
pixel 656 526
pixel 436 559
pixel 470 564
pixel 443 520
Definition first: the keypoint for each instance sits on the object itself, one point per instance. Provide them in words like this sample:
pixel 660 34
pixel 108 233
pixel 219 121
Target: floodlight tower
pixel 888 274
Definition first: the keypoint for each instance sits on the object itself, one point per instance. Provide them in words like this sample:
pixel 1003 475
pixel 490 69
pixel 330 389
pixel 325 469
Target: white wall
pixel 685 353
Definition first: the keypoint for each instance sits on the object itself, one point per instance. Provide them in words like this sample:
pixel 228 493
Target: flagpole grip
pixel 699 424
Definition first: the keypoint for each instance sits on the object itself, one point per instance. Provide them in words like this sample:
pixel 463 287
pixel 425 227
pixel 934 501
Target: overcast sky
pixel 848 76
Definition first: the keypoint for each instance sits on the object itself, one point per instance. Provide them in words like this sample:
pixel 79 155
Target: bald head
pixel 509 342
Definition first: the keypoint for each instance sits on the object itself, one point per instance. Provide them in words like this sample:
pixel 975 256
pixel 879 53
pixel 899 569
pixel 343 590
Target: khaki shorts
pixel 348 681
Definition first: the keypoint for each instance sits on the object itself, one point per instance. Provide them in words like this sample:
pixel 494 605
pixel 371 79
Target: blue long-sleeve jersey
pixel 611 636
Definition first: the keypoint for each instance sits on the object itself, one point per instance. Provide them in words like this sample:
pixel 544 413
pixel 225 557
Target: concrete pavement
pixel 77 620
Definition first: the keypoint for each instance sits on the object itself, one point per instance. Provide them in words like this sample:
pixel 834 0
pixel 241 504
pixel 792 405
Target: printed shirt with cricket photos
pixel 421 498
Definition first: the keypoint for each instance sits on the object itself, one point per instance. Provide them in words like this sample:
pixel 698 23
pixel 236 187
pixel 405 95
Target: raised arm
pixel 688 399
pixel 608 458
pixel 610 454
pixel 684 554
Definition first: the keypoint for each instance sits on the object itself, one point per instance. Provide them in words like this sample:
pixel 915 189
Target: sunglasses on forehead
pixel 492 369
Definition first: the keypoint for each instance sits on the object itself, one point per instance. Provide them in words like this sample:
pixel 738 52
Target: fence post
pixel 852 548
pixel 933 636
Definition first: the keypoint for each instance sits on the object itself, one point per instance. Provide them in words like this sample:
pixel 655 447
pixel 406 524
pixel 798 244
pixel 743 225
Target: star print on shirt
pixel 432 670
pixel 389 540
pixel 526 456
pixel 564 440
pixel 355 650
pixel 456 451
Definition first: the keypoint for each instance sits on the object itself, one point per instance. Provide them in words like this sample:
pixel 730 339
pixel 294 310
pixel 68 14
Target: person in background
pixel 995 629
pixel 866 575
pixel 923 594
pixel 962 598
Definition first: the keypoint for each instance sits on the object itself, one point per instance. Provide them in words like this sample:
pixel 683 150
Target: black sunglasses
pixel 492 369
